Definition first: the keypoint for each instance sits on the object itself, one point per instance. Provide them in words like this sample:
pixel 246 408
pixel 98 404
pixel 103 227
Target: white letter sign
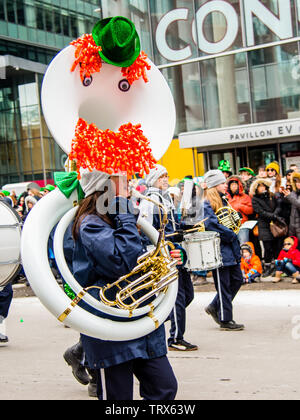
pixel 281 26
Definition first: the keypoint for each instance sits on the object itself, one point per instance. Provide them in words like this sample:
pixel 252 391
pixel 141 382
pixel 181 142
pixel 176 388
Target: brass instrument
pixel 156 270
pixel 229 218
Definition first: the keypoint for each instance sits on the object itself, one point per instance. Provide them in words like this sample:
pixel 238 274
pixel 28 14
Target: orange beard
pixel 127 150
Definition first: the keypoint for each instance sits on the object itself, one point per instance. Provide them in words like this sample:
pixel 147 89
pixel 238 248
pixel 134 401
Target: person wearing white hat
pixel 157 182
pixel 107 245
pixel 228 279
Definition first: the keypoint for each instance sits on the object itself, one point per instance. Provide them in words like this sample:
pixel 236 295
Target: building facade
pixel 31 34
pixel 233 67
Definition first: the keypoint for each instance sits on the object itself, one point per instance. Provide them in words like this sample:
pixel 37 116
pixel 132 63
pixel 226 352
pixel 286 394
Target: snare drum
pixel 10 243
pixel 203 251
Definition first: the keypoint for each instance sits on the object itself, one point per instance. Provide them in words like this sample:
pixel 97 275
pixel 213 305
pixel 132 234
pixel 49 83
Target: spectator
pixel 21 208
pixel 273 172
pixel 224 166
pixel 262 172
pixel 247 175
pixel 294 167
pixel 287 180
pixel 267 210
pixel 288 261
pixel 6 197
pixel 240 202
pixel 46 190
pixel 293 197
pixel 35 193
pixel 250 264
pixel 30 201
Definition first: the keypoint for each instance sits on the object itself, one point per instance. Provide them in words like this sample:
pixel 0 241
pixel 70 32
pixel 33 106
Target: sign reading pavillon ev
pixel 240 134
pixel 281 24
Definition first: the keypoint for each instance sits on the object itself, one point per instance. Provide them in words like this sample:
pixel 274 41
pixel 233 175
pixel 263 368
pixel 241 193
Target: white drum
pixel 10 243
pixel 203 251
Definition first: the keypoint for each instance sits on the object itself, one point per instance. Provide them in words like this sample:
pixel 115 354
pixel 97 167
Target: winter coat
pixel 294 199
pixel 102 254
pixel 240 202
pixel 230 246
pixel 253 265
pixel 292 254
pixel 266 208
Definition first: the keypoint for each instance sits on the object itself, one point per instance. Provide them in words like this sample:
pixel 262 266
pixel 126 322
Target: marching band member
pixel 157 182
pixel 6 295
pixel 106 64
pixel 228 279
pixel 107 246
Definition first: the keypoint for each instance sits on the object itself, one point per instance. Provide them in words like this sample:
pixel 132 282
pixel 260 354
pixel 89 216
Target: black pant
pixel 5 300
pixel 156 377
pixel 272 249
pixel 228 281
pixel 184 297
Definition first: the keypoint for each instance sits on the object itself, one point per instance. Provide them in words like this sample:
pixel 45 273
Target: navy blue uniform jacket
pixel 230 246
pixel 102 254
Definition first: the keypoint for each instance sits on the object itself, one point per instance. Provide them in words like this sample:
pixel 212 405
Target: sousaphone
pixel 107 100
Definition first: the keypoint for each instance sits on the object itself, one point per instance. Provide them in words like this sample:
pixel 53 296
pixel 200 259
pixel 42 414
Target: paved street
pixel 261 362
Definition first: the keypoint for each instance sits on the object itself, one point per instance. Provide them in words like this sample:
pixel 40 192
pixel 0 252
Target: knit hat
pixel 274 165
pixel 93 181
pixel 155 174
pixel 214 178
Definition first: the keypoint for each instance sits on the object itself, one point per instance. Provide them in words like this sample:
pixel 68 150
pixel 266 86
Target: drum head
pixel 10 243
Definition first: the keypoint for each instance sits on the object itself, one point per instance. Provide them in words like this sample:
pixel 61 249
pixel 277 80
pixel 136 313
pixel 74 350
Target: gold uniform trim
pixel 156 322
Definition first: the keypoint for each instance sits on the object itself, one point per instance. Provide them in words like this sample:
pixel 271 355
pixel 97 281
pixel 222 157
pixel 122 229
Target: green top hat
pixel 119 41
pixel 224 166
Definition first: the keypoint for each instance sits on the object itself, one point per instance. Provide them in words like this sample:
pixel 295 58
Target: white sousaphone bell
pixel 105 103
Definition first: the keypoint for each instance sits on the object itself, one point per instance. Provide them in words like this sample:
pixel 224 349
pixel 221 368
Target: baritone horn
pixel 229 218
pixel 154 272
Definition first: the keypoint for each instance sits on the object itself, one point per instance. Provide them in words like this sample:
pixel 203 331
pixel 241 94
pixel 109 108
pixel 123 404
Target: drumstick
pixel 188 231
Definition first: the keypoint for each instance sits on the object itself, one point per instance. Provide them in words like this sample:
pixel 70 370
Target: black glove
pixel 179 237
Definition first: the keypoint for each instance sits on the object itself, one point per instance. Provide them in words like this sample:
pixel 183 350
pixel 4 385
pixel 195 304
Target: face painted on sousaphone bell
pixel 106 105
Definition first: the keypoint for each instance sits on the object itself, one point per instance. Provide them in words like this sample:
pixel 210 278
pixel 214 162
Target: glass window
pixel 65 24
pixel 275 82
pixel 74 26
pixel 2 10
pixel 30 14
pixel 172 30
pixel 265 26
pixel 218 30
pixel 290 154
pixel 20 12
pixel 48 20
pixel 225 91
pixel 39 18
pixel 57 22
pixel 184 82
pixel 216 157
pixel 10 8
pixel 262 156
